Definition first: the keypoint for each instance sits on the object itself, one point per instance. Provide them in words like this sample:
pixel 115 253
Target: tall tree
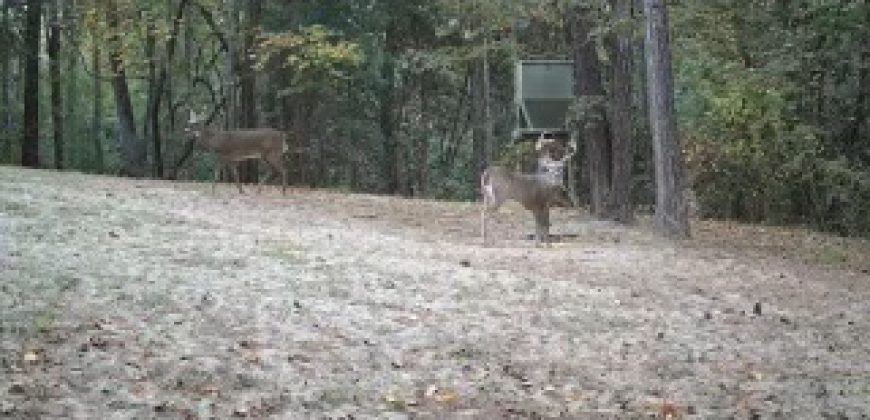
pixel 590 94
pixel 71 130
pixel 159 82
pixel 231 72
pixel 671 218
pixel 621 117
pixel 97 118
pixel 386 112
pixel 133 151
pixel 5 83
pixel 53 50
pixel 30 142
pixel 151 122
pixel 248 79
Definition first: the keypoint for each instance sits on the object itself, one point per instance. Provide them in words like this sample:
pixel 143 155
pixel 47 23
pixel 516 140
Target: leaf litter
pixel 145 299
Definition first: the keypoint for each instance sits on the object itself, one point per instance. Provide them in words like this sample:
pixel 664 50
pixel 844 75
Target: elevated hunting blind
pixel 544 91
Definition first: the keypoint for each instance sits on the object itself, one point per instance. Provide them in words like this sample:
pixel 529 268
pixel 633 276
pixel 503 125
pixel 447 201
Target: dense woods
pixel 415 97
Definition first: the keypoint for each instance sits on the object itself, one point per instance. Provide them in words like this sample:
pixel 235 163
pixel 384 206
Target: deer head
pixel 553 157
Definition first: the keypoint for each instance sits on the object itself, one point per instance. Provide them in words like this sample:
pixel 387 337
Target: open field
pixel 136 299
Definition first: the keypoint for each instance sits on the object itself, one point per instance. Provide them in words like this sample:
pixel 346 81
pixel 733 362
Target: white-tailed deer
pixel 232 147
pixel 536 192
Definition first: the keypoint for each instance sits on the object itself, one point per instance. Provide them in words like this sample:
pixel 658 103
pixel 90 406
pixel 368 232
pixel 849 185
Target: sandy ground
pixel 151 299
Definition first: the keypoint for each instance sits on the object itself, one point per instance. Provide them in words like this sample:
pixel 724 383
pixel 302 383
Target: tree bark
pixel 96 122
pixel 149 121
pixel 53 51
pixel 159 85
pixel 248 91
pixel 478 132
pixel 671 218
pixel 5 88
pixel 30 141
pixel 590 94
pixel 133 151
pixel 386 117
pixel 71 130
pixel 232 117
pixel 621 116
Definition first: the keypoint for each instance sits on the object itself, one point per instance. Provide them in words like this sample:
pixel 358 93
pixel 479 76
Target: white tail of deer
pixel 536 192
pixel 232 147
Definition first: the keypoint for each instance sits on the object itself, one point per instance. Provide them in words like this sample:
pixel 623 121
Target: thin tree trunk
pixel 72 127
pixel 478 133
pixel 133 151
pixel 590 93
pixel 30 141
pixel 5 88
pixel 160 86
pixel 248 81
pixel 387 102
pixel 231 64
pixel 487 103
pixel 671 217
pixel 53 51
pixel 621 118
pixel 151 124
pixel 423 140
pixel 96 122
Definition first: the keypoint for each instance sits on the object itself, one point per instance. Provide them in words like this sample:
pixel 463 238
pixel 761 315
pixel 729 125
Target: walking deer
pixel 536 192
pixel 234 146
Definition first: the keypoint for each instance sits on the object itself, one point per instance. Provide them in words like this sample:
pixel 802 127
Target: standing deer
pixel 232 147
pixel 536 192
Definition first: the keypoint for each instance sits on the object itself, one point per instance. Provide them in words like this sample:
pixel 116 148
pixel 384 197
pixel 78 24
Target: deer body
pixel 535 192
pixel 232 147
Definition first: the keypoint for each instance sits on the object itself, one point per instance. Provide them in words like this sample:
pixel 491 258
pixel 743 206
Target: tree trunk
pixel 671 217
pixel 5 88
pixel 150 124
pixel 96 122
pixel 159 85
pixel 232 118
pixel 590 94
pixel 423 140
pixel 478 133
pixel 30 141
pixel 386 118
pixel 72 127
pixel 621 117
pixel 53 51
pixel 248 92
pixel 487 103
pixel 133 151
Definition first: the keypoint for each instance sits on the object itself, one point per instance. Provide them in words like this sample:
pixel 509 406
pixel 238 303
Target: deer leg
pixel 276 166
pixel 488 199
pixel 217 174
pixel 283 180
pixel 491 204
pixel 273 169
pixel 235 171
pixel 542 225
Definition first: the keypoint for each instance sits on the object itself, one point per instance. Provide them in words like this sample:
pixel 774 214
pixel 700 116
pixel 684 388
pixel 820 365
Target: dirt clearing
pixel 142 299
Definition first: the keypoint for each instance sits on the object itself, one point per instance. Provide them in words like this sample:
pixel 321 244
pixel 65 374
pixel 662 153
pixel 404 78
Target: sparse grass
pixel 149 298
pixel 796 244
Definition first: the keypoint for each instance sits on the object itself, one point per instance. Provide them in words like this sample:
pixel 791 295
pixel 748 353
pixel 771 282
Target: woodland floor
pixel 141 299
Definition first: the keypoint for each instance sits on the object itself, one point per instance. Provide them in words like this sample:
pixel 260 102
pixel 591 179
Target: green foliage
pixel 766 118
pixel 313 56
